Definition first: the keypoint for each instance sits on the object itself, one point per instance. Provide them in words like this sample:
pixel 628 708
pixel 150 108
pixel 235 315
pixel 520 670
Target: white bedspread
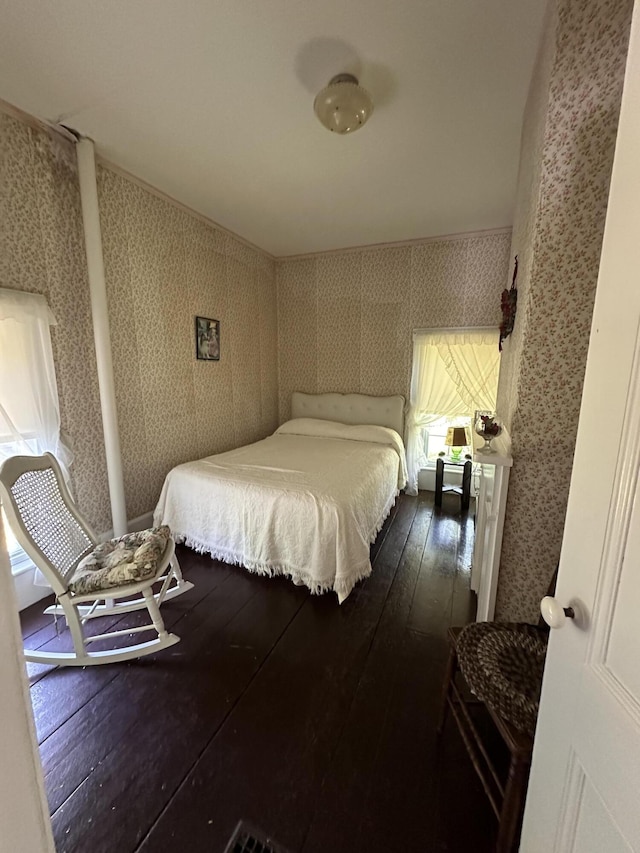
pixel 305 502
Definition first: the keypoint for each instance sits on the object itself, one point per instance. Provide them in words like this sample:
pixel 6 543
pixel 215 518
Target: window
pixel 433 437
pixel 455 372
pixel 29 407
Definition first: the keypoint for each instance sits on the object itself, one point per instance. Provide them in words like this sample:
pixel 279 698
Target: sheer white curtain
pixel 454 373
pixel 29 406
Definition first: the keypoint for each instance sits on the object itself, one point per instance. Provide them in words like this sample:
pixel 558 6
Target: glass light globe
pixel 343 106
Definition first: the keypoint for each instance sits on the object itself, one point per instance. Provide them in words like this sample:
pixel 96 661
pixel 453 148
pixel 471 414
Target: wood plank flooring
pixel 313 721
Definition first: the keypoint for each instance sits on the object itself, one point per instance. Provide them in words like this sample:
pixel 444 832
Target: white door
pixel 584 791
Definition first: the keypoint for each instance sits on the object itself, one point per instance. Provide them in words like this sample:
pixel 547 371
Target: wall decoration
pixel 560 214
pixel 207 339
pixel 346 319
pixel 508 304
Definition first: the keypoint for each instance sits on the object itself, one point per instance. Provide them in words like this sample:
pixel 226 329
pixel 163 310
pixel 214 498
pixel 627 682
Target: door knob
pixel 553 613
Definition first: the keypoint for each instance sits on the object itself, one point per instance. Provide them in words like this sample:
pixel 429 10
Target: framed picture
pixel 207 339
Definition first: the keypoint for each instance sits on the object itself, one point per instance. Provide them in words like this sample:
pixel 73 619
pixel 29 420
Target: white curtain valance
pixel 487 336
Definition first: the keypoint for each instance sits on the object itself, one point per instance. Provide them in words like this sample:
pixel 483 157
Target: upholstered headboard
pixel 350 409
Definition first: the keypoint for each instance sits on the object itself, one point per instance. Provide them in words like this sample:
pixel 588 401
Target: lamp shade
pixel 343 106
pixel 457 437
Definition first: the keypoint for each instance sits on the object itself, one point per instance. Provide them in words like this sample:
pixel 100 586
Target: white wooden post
pixel 99 311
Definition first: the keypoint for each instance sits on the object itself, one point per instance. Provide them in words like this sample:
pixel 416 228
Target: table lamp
pixel 457 438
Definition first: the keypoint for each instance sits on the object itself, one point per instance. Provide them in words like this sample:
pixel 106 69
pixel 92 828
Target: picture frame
pixel 207 339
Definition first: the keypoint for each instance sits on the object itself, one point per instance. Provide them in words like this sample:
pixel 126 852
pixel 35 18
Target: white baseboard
pixel 28 593
pixel 142 522
pixel 139 523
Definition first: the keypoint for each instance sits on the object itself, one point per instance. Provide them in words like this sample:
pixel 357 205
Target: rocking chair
pixel 89 578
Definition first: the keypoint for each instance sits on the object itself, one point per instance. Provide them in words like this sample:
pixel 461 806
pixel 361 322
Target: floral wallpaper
pixel 345 319
pixel 42 251
pixel 163 267
pixel 567 153
pixel 337 321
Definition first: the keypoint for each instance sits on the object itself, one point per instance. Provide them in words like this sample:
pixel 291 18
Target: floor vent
pixel 248 839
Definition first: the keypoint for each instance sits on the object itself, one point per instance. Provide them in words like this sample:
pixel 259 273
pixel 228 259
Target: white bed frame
pixel 351 409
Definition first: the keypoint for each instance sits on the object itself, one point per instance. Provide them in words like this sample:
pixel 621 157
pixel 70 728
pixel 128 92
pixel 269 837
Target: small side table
pixel 464 491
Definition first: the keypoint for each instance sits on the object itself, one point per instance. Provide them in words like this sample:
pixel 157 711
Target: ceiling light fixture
pixel 343 105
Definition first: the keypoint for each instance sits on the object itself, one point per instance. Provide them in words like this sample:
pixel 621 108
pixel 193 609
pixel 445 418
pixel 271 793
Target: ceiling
pixel 211 101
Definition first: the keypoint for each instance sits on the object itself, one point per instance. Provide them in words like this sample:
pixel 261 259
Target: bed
pixel 306 502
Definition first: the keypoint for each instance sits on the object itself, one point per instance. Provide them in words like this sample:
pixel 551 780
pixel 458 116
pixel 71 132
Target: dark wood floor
pixel 315 722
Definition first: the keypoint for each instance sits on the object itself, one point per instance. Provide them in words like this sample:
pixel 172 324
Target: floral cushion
pixel 127 559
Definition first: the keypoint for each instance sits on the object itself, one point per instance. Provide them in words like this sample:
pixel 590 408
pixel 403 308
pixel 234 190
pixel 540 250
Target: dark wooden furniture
pixel 507 799
pixel 464 491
